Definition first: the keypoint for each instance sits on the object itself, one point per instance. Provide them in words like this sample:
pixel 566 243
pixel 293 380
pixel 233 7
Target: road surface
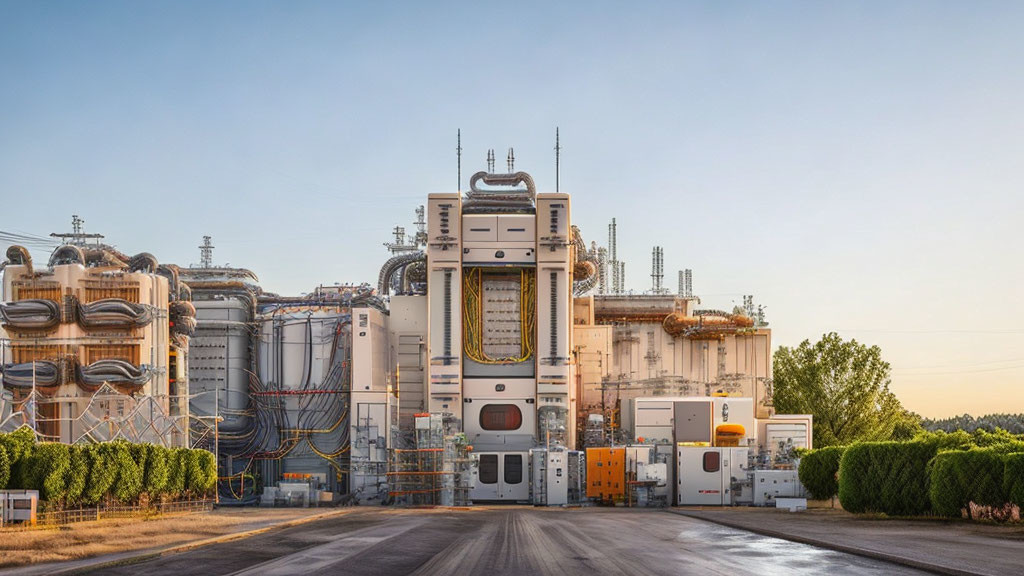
pixel 509 541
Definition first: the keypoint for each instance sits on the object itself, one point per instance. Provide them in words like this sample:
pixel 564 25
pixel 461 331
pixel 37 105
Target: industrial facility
pixel 498 359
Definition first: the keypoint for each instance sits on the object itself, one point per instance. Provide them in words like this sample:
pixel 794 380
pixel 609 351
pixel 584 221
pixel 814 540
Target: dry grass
pixel 20 547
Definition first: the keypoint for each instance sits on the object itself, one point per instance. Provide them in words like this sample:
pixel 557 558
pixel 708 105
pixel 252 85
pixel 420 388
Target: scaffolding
pixel 436 471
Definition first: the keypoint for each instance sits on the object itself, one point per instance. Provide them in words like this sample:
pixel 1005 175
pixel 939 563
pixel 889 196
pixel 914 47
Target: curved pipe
pixel 143 262
pixel 19 256
pixel 105 257
pixel 32 314
pixel 585 267
pixel 393 265
pixel 67 254
pixel 706 322
pixel 503 180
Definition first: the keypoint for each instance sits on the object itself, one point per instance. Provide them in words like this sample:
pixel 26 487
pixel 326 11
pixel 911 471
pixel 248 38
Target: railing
pixel 108 511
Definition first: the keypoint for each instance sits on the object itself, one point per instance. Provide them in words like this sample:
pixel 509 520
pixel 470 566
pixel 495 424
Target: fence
pixel 102 512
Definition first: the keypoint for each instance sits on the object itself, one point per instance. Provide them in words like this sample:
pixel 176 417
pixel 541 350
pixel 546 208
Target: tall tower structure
pixel 499 305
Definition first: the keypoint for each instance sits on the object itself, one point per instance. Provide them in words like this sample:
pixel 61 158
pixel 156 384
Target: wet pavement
pixel 506 541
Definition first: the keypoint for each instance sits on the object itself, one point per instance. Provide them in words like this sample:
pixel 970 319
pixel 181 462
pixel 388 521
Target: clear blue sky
pixel 855 166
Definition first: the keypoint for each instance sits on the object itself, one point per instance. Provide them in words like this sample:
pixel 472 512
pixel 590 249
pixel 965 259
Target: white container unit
pixel 770 485
pixel 708 476
pixel 501 477
pixel 550 477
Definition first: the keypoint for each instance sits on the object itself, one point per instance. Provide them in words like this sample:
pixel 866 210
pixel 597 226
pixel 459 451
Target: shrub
pixel 176 462
pixel 128 483
pixel 154 479
pixel 46 470
pixel 819 469
pixel 102 473
pixel 958 478
pixel 206 473
pixel 78 474
pixel 1013 479
pixel 887 477
pixel 19 445
pixel 194 480
pixel 5 467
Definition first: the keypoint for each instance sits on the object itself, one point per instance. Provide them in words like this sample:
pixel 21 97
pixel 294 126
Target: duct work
pixel 19 256
pixel 706 324
pixel 30 374
pixel 67 254
pixel 585 267
pixel 396 273
pixel 514 200
pixel 34 314
pixel 116 372
pixel 113 313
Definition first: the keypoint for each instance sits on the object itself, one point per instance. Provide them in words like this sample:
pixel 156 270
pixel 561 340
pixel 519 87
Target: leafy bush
pixel 958 478
pixel 193 472
pixel 46 470
pixel 887 477
pixel 206 475
pixel 154 480
pixel 102 473
pixel 128 484
pixel 19 445
pixel 819 469
pixel 5 467
pixel 177 460
pixel 78 474
pixel 1013 479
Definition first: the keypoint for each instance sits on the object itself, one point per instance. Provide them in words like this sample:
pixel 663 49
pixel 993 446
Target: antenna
pixel 558 153
pixel 490 161
pixel 613 258
pixel 77 236
pixel 206 253
pixel 657 269
pixel 458 155
pixel 421 227
pixel 511 160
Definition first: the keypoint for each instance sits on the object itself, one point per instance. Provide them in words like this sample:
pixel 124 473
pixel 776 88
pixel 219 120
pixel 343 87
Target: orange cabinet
pixel 606 474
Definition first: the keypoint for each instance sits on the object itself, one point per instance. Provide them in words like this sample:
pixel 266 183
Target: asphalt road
pixel 507 541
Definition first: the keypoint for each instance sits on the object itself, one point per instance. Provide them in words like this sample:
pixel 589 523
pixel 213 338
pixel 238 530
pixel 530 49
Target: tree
pixel 845 385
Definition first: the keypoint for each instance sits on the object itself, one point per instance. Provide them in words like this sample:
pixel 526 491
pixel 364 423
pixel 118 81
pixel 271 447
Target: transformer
pixel 500 288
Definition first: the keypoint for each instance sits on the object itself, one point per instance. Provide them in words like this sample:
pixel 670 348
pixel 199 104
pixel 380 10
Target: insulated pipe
pixel 503 180
pixel 102 256
pixel 393 265
pixel 67 254
pixel 32 314
pixel 143 262
pixel 19 256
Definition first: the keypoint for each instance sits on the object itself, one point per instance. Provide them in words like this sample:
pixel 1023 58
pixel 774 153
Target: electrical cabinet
pixel 708 476
pixel 501 476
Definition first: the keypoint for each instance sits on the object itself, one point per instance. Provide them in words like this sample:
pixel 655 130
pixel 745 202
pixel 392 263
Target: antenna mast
pixel 206 253
pixel 558 153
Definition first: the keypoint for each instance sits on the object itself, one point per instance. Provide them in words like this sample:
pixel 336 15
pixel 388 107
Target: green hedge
pixel 958 478
pixel 819 470
pixel 89 473
pixel 887 477
pixel 1013 479
pixel 5 467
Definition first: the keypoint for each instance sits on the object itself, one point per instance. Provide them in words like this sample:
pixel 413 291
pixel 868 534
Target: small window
pixel 712 461
pixel 501 417
pixel 489 469
pixel 513 468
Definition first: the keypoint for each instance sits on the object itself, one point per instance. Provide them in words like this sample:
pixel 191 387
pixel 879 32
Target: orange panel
pixel 606 473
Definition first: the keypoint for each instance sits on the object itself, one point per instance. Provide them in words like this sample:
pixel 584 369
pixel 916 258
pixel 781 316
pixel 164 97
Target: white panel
pixel 499 254
pixel 443 227
pixel 517 228
pixel 479 228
